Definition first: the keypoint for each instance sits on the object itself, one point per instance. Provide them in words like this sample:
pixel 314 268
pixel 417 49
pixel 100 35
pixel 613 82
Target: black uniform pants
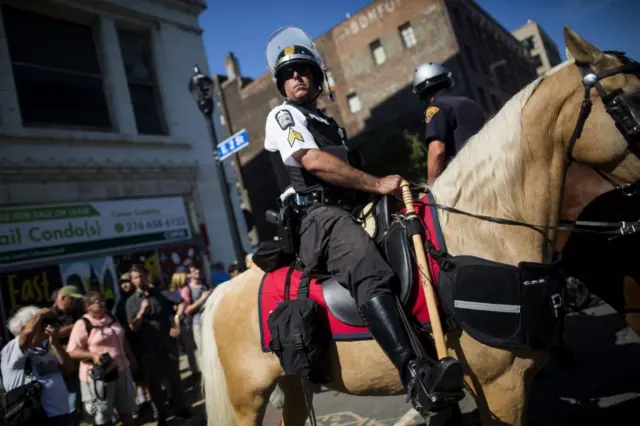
pixel 332 241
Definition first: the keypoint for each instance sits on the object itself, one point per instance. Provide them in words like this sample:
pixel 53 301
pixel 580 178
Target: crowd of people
pixel 76 360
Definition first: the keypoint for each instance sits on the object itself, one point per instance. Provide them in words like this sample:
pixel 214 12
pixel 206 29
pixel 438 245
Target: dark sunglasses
pixel 288 72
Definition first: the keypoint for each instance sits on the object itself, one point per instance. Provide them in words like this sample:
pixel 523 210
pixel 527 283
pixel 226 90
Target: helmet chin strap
pixel 310 101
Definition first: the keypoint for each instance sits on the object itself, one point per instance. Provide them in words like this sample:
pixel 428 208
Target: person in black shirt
pixel 450 119
pixel 155 327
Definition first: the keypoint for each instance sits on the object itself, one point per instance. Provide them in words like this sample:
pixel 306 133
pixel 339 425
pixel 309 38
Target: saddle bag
pixel 503 305
pixel 300 333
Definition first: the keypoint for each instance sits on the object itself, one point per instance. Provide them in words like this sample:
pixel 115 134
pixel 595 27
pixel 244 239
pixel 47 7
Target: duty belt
pixel 322 197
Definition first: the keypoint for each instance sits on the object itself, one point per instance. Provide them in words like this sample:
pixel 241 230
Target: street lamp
pixel 201 88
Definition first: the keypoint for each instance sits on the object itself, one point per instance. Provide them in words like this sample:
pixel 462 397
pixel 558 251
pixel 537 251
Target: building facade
pixel 105 158
pixel 542 49
pixel 371 58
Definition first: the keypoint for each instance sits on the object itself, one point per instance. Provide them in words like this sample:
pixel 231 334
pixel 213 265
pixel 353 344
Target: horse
pixel 513 168
pixel 608 268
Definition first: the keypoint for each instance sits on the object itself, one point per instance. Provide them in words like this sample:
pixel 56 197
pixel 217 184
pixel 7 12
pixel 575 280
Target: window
pixel 145 98
pixel 330 81
pixel 530 43
pixel 354 102
pixel 407 34
pixel 379 57
pixel 470 60
pixel 56 71
pixel 537 61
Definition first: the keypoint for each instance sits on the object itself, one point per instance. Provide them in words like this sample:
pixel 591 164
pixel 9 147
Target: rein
pixel 618 229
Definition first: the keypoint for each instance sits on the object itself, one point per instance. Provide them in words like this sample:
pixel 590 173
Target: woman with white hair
pixel 26 359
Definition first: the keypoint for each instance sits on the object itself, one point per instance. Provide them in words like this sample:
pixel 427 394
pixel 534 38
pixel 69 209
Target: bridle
pixel 616 106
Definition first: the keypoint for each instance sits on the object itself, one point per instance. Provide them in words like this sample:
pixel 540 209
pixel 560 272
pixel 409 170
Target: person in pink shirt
pixel 97 340
pixel 195 293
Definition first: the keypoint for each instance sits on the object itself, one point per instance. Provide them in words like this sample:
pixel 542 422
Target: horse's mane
pixel 499 143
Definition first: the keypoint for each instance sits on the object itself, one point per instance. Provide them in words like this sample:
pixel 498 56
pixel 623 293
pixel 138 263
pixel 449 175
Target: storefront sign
pixel 48 232
pixel 29 287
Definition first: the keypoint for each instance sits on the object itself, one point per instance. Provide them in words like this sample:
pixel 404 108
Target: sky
pixel 243 26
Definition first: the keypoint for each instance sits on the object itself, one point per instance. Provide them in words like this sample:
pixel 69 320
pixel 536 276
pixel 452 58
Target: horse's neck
pixel 518 178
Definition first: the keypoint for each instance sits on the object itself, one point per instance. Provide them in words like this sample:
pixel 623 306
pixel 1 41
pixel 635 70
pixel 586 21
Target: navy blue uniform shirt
pixel 452 120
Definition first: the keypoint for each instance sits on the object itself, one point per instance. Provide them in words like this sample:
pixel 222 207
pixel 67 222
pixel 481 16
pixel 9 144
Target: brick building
pixel 542 49
pixel 371 57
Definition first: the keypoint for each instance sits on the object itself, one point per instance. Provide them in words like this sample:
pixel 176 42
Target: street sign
pixel 233 144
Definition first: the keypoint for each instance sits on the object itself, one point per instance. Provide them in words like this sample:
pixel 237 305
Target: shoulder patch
pixel 293 137
pixel 431 111
pixel 284 119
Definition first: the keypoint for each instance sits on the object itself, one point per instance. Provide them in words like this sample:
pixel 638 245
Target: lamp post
pixel 201 88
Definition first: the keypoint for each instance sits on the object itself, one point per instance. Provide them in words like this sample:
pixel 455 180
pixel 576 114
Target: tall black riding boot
pixel 431 386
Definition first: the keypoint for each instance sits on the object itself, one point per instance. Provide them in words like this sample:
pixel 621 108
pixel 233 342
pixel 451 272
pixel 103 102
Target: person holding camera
pixel 29 367
pixel 154 316
pixel 98 341
pixel 67 309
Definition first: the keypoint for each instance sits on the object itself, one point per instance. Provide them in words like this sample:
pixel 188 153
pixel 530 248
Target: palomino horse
pixel 609 269
pixel 513 168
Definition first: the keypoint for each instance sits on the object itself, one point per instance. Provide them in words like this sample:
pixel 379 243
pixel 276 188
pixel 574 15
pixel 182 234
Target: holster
pixel 289 219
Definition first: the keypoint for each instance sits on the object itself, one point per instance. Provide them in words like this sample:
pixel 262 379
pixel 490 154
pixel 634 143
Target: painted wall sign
pixel 33 286
pixel 364 19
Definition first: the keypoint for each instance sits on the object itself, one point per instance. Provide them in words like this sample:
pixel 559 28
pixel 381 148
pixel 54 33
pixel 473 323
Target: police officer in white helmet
pixel 309 153
pixel 450 119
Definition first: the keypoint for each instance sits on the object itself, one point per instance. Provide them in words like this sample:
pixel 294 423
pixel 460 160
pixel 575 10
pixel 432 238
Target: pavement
pixel 600 387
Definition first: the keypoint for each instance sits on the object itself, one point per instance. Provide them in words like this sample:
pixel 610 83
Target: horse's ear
pixel 581 49
pixel 566 52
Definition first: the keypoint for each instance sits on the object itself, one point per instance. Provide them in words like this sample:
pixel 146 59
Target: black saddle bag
pixel 22 407
pixel 503 305
pixel 300 334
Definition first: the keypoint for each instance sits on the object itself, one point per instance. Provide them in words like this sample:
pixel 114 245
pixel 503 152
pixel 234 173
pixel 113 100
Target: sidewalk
pixel 192 394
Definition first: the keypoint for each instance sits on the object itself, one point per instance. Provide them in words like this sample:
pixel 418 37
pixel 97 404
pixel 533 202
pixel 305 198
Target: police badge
pixel 284 119
pixel 431 111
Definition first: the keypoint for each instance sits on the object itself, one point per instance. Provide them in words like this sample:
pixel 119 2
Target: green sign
pixel 47 232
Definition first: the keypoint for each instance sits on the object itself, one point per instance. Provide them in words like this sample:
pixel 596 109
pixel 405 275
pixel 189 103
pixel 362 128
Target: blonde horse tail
pixel 214 386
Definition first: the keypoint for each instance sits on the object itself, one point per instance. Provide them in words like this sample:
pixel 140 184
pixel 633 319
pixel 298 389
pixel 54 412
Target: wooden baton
pixel 429 294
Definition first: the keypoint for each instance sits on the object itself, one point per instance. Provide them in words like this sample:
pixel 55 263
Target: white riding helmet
pixel 430 77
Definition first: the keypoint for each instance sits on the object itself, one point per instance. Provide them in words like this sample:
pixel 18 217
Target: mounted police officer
pixel 450 119
pixel 311 156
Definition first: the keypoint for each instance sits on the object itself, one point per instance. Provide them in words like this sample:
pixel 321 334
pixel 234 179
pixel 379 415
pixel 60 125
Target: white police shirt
pixel 286 132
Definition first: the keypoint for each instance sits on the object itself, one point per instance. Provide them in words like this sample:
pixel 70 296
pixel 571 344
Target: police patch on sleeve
pixel 431 111
pixel 284 119
pixel 293 137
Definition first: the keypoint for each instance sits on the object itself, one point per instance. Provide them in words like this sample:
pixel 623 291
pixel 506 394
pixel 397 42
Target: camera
pixel 52 321
pixel 98 372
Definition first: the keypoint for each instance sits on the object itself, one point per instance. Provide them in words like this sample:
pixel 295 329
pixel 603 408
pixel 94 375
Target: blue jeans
pixel 73 386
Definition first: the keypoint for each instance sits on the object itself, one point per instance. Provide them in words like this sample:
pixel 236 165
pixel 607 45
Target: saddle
pixel 393 241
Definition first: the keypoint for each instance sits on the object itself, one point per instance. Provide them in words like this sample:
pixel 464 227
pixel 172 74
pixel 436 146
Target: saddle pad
pixel 271 293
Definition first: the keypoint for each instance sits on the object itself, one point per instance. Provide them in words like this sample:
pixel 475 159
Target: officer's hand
pixel 389 185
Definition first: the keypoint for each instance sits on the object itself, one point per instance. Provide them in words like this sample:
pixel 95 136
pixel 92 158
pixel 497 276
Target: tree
pixel 400 152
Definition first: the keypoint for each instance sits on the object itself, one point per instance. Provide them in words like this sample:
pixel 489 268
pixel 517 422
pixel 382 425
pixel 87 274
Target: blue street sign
pixel 233 144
